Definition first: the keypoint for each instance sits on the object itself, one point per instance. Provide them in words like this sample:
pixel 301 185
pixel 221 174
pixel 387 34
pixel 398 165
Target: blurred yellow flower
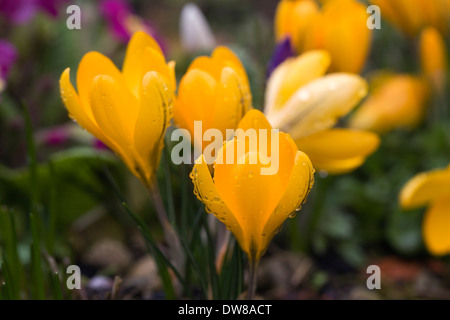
pixel 253 206
pixel 396 101
pixel 410 16
pixel 128 110
pixel 307 104
pixel 433 189
pixel 434 59
pixel 214 90
pixel 340 27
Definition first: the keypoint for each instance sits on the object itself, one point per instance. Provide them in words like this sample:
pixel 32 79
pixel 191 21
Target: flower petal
pixel 230 59
pixel 319 104
pixel 436 226
pixel 108 101
pixel 346 35
pixel 206 191
pixel 143 55
pixel 300 184
pixel 251 195
pixel 398 102
pixel 293 74
pixel 195 101
pixel 229 107
pixel 433 58
pixel 91 65
pixel 338 149
pixel 424 188
pixel 153 120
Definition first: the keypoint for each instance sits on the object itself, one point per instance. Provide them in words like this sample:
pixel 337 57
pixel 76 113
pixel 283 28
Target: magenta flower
pixel 123 22
pixel 8 56
pixel 22 11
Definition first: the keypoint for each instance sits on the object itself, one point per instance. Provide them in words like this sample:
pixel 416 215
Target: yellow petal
pixel 433 58
pixel 424 188
pixel 144 54
pixel 153 120
pixel 250 195
pixel 195 100
pixel 319 104
pixel 300 184
pixel 338 150
pixel 91 65
pixel 77 112
pixel 346 35
pixel 291 75
pixel 397 103
pixel 108 102
pixel 436 226
pixel 206 191
pixel 230 59
pixel 293 19
pixel 229 106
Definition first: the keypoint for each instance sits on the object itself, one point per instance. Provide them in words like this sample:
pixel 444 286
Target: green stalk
pixel 253 275
pixel 36 261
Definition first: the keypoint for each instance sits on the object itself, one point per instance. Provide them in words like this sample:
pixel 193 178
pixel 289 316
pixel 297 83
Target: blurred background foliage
pixel 348 221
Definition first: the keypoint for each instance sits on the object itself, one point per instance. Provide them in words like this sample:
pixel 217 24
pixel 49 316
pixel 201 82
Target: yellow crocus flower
pixel 396 101
pixel 434 58
pixel 214 90
pixel 253 206
pixel 339 26
pixel 128 110
pixel 433 189
pixel 410 16
pixel 307 104
pixel 293 18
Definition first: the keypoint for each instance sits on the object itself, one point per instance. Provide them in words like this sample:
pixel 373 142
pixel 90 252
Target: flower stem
pixel 253 273
pixel 170 236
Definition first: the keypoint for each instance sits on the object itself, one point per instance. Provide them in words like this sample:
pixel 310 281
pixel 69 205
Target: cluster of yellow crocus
pixel 339 26
pixel 214 90
pixel 253 206
pixel 301 100
pixel 433 189
pixel 128 110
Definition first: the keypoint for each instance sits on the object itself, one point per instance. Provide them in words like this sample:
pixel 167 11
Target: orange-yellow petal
pixel 424 188
pixel 346 35
pixel 436 226
pixel 338 150
pixel 300 184
pixel 154 117
pixel 205 190
pixel 319 104
pixel 293 19
pixel 144 54
pixel 291 75
pixel 434 58
pixel 195 101
pixel 91 65
pixel 251 195
pixel 397 103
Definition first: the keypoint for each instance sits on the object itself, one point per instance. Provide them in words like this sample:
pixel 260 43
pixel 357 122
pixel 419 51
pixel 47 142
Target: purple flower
pixel 283 50
pixel 123 22
pixel 8 55
pixel 18 11
pixel 50 6
pixel 22 11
